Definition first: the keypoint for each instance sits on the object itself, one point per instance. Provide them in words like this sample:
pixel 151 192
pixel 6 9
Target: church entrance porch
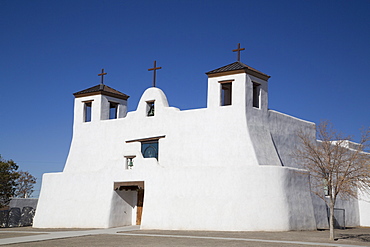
pixel 133 186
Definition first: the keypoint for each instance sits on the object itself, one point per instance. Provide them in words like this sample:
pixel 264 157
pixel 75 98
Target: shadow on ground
pixel 356 237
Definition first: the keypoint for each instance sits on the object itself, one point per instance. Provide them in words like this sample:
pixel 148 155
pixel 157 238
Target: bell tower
pixel 243 90
pixel 99 102
pixel 227 84
pixel 237 85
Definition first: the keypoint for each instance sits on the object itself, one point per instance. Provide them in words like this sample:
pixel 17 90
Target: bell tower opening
pixel 113 110
pixel 256 95
pixel 226 93
pixel 87 111
pixel 150 109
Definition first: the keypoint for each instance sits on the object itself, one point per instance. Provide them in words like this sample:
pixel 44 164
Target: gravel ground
pixel 156 238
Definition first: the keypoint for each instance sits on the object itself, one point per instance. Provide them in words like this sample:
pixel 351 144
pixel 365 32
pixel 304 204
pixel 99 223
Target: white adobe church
pixel 226 167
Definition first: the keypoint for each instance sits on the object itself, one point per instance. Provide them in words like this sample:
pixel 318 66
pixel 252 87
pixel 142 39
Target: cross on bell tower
pixel 155 68
pixel 102 74
pixel 238 50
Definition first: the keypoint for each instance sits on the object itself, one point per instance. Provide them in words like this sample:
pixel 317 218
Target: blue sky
pixel 316 52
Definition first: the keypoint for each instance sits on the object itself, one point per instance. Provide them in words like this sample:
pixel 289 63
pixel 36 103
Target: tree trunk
pixel 331 221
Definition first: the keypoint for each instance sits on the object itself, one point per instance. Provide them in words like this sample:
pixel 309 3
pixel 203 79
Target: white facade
pixel 224 167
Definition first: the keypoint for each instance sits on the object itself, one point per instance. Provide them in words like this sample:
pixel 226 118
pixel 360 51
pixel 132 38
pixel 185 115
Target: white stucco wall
pixel 200 198
pixel 249 198
pixel 284 129
pixel 68 200
pixel 364 208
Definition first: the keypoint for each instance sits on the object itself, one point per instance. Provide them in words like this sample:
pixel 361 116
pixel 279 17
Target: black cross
pixel 155 71
pixel 102 76
pixel 238 50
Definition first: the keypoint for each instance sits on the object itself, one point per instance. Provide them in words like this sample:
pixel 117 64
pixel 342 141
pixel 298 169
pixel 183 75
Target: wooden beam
pixel 146 139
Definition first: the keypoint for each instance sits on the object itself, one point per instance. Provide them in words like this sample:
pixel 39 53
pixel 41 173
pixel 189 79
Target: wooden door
pixel 139 206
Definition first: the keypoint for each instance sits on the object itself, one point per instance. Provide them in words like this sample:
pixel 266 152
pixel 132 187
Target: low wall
pixel 20 213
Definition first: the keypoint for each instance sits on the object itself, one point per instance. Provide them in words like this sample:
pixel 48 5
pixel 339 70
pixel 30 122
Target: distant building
pixel 225 167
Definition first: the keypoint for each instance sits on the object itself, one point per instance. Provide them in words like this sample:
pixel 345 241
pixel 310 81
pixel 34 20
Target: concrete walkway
pixel 132 236
pixel 45 235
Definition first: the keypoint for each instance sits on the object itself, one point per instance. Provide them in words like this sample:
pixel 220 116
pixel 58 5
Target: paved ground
pixel 132 236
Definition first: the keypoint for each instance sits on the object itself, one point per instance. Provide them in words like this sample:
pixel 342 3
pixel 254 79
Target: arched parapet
pixel 152 102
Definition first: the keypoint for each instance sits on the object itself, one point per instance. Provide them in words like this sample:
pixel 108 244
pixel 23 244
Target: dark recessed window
pixel 113 109
pixel 149 149
pixel 87 111
pixel 256 94
pixel 226 92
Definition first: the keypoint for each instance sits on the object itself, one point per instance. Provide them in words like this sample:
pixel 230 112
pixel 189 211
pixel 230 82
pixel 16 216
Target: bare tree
pixel 337 165
pixel 25 183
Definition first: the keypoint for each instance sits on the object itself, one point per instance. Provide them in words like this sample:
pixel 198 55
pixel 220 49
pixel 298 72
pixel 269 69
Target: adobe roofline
pixel 118 96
